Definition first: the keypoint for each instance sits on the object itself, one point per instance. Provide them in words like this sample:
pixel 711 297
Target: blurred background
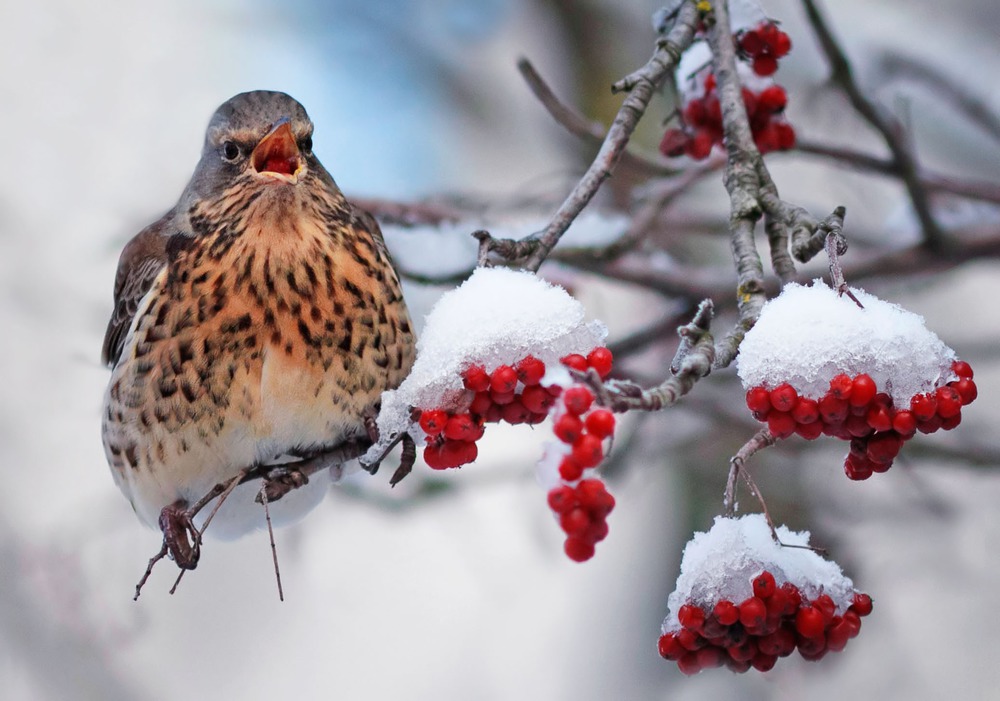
pixel 455 586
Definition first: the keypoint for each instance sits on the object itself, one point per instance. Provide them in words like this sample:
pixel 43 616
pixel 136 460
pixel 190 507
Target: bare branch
pixel 641 86
pixel 890 130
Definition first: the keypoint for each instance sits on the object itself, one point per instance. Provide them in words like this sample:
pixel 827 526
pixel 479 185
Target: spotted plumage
pixel 259 317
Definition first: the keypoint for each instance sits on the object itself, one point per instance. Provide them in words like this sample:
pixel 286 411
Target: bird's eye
pixel 307 144
pixel 230 151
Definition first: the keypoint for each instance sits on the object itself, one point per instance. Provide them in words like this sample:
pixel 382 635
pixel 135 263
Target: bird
pixel 258 318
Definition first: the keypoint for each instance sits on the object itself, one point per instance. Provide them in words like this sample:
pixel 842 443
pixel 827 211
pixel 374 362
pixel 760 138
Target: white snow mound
pixel 722 563
pixel 496 317
pixel 808 334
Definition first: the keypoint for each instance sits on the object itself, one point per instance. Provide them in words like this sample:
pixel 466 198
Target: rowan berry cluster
pixel 763 46
pixel 854 410
pixel 701 117
pixel 775 621
pixel 514 394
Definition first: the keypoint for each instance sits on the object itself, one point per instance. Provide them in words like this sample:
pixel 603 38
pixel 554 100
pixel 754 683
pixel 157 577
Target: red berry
pixel 833 410
pixel 710 82
pixel 762 662
pixel 758 399
pixel 879 418
pixel 699 145
pixel 951 422
pixel 500 399
pixel 753 614
pixel 766 138
pixel 841 386
pixel 924 407
pixel 810 431
pixel 967 390
pixel 783 397
pixel 694 113
pixel 690 640
pixel 806 411
pixel 749 102
pixel 751 42
pixel 673 143
pixel 588 450
pixel 689 664
pixel 601 360
pixel 857 467
pixel 458 453
pixel 779 643
pixel 600 422
pixel 858 427
pixel 594 497
pixel 709 657
pixel 575 361
pixel 785 135
pixel 596 532
pixel 930 425
pixel 460 427
pixel 503 379
pixel 537 399
pixel 773 98
pixel 781 45
pixel 568 428
pixel 904 423
pixel 433 458
pixel 949 402
pixel 570 470
pixel 781 424
pixel 765 65
pixel 516 413
pixel 962 369
pixel 669 648
pixel 432 421
pixel 476 379
pixel 764 585
pixel 575 521
pixel 578 549
pixel 530 370
pixel 838 634
pixel 862 604
pixel 863 390
pixel 578 400
pixel 883 447
pixel 809 622
pixel 726 613
pixel 481 404
pixel 825 605
pixel 562 498
pixel 691 617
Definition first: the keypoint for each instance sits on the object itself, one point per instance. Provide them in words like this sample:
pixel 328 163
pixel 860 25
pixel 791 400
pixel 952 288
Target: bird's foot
pixel 180 536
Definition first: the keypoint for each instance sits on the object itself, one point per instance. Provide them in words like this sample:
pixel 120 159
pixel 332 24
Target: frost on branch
pixel 743 600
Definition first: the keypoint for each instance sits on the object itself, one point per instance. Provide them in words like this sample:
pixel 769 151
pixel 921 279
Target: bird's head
pixel 257 141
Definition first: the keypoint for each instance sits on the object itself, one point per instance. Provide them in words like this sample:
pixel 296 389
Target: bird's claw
pixel 180 536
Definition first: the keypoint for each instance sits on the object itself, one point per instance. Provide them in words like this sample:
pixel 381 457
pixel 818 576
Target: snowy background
pixel 452 587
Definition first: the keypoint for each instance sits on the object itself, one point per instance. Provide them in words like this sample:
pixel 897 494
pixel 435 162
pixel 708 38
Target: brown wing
pixel 141 261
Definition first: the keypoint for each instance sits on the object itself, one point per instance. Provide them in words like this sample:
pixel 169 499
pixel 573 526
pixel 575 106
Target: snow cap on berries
pixel 720 565
pixel 809 334
pixel 498 316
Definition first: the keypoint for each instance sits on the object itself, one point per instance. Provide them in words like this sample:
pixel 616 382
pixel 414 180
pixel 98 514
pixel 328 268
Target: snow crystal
pixel 807 335
pixel 722 563
pixel 496 317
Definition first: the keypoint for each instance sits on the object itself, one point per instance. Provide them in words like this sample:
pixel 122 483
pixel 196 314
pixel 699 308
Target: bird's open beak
pixel 277 155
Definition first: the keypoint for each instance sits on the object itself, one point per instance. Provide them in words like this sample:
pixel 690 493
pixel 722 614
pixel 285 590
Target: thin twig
pixel 842 74
pixel 591 132
pixel 641 86
pixel 270 533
